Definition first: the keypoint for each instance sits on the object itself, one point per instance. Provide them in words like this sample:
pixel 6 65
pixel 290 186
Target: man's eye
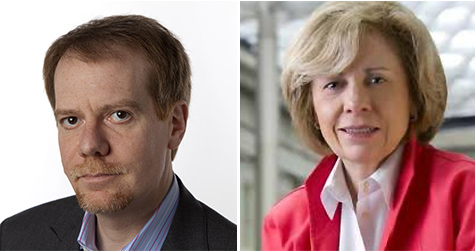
pixel 70 121
pixel 120 116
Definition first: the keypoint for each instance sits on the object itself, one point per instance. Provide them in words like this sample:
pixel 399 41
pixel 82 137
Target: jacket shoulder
pixel 449 163
pixel 222 233
pixel 196 226
pixel 291 209
pixel 37 227
pixel 287 224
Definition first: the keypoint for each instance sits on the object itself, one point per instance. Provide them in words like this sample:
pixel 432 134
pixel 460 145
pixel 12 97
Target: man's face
pixel 114 149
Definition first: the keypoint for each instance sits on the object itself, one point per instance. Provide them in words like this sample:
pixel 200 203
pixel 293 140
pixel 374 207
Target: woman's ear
pixel 178 120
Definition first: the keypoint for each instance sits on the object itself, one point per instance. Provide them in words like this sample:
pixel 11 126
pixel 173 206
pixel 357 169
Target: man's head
pixel 120 89
pixel 168 74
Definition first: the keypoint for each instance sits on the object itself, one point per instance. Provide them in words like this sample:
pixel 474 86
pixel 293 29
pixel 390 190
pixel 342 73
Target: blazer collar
pixel 403 199
pixel 188 230
pixel 325 233
pixel 68 223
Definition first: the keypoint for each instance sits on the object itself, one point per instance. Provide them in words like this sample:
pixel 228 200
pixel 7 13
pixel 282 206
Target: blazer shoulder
pixel 46 213
pixel 449 163
pixel 291 208
pixel 295 197
pixel 222 233
pixel 196 226
pixel 41 227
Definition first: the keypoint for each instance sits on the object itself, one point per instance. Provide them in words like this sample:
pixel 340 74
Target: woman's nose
pixel 357 97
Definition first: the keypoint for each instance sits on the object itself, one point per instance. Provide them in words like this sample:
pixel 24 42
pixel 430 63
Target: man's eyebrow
pixel 120 104
pixel 64 112
pixel 126 103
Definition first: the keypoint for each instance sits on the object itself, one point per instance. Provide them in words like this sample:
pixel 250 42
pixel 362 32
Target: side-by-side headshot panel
pixel 357 125
pixel 123 127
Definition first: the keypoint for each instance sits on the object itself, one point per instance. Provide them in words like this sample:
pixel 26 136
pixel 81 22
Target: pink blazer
pixel 433 207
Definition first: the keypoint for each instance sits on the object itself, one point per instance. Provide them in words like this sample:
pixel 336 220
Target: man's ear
pixel 178 119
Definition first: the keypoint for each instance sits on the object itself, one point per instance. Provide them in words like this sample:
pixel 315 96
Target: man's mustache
pixel 95 166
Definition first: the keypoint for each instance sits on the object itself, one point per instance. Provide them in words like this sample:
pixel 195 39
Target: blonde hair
pixel 329 43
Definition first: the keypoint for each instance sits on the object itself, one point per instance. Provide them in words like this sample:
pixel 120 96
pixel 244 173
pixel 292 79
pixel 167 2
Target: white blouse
pixel 362 228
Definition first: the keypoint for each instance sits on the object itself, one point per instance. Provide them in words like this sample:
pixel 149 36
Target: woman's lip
pixel 358 127
pixel 360 132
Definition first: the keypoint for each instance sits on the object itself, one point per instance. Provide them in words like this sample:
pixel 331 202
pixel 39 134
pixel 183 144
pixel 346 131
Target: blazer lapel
pixel 407 205
pixel 188 228
pixel 325 232
pixel 68 224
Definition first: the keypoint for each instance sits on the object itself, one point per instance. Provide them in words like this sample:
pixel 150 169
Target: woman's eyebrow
pixel 378 68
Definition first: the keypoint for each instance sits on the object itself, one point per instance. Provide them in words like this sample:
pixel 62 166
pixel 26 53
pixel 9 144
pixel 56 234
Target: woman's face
pixel 363 112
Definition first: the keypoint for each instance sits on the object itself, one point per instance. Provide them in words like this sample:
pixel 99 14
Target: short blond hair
pixel 329 42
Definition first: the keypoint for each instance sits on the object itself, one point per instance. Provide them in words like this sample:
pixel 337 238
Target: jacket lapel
pixel 325 232
pixel 406 206
pixel 68 224
pixel 188 229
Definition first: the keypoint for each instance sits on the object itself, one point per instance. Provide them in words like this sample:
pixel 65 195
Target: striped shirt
pixel 152 235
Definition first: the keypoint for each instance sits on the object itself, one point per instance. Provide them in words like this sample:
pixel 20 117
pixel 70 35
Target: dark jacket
pixel 56 225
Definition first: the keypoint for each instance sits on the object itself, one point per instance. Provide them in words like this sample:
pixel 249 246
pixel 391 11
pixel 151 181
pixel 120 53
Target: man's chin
pixel 103 202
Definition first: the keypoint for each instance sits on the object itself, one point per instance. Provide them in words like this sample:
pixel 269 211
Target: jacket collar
pixel 402 199
pixel 325 233
pixel 66 226
pixel 188 230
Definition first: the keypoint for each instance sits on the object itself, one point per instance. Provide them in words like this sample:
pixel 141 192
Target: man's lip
pixel 90 175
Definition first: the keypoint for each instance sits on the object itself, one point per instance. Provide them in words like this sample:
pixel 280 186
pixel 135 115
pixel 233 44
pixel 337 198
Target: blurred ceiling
pixel 451 24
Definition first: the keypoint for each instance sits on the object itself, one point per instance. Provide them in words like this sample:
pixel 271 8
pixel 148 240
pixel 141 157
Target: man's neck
pixel 114 231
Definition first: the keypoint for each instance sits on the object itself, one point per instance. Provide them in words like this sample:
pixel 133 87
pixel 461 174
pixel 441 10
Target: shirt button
pixel 366 187
pixel 365 215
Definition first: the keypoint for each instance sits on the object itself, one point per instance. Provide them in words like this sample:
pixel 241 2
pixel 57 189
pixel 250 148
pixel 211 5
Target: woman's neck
pixel 355 173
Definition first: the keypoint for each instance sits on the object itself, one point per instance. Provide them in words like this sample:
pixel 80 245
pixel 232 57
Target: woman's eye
pixel 120 116
pixel 332 85
pixel 69 121
pixel 377 80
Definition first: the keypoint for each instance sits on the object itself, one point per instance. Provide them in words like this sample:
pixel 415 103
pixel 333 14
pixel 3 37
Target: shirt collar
pixel 336 190
pixel 150 237
pixel 386 175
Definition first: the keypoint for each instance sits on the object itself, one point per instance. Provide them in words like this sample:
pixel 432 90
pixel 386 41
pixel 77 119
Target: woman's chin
pixel 362 154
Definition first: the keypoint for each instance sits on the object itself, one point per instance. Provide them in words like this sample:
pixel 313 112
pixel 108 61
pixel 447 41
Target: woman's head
pixel 333 39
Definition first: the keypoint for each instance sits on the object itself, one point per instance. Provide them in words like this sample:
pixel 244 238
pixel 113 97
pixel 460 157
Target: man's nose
pixel 357 98
pixel 93 141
